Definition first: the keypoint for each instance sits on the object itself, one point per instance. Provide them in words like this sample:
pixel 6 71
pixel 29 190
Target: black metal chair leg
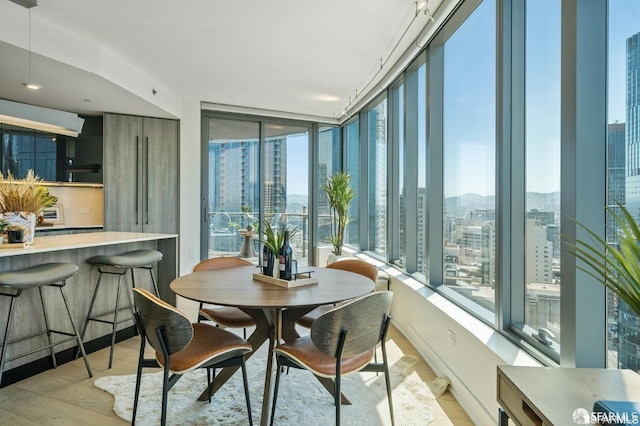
pixel 6 335
pixel 115 322
pixel 153 281
pixel 138 380
pixel 88 318
pixel 246 391
pixel 75 331
pixel 275 390
pixel 48 329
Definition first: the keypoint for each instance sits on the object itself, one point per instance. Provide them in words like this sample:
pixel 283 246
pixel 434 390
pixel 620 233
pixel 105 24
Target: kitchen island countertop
pixel 76 241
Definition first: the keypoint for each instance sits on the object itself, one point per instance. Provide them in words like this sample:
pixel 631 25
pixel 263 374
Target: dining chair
pixel 221 229
pixel 227 316
pixel 352 265
pixel 342 341
pixel 182 346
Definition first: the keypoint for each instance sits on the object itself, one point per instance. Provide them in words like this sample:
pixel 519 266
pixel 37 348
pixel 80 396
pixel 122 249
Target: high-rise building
pixel 615 174
pixel 378 177
pixel 632 127
pixel 235 180
pixel 628 325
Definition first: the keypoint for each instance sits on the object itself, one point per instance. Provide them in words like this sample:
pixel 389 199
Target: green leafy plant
pixel 618 268
pixel 339 193
pixel 3 225
pixel 274 237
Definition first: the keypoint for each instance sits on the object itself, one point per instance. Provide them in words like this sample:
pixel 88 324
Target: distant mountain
pixel 297 199
pixel 543 201
pixel 549 201
pixel 470 202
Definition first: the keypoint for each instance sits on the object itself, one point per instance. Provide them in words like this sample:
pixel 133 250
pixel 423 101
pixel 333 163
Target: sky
pixel 624 21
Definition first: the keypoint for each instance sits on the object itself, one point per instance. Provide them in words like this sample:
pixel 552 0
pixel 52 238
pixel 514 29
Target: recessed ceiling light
pixel 32 86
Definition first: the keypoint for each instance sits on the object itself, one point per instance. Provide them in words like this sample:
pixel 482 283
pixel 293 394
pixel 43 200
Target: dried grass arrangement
pixel 24 195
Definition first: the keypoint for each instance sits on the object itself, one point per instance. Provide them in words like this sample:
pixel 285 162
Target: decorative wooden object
pixel 298 282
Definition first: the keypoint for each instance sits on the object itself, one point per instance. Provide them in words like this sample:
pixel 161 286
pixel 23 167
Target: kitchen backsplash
pixel 79 205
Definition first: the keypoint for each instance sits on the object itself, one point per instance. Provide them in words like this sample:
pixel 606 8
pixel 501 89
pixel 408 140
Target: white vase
pixel 332 257
pixel 276 266
pixel 26 220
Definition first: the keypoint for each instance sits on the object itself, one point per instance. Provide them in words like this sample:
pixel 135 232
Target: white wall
pixel 190 212
pixel 470 364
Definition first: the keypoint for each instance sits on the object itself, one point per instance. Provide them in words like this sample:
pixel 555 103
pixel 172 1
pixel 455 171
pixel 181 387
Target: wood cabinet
pixel 140 174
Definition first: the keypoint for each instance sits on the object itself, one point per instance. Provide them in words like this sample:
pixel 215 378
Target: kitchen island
pixel 77 248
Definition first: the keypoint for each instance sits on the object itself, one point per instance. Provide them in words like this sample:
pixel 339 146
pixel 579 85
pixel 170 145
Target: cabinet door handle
pixel 146 192
pixel 137 178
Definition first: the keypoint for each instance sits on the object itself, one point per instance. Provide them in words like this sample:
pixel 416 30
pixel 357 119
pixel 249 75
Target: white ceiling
pixel 296 56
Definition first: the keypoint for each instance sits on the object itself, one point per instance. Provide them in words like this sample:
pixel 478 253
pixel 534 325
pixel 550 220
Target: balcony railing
pixel 225 238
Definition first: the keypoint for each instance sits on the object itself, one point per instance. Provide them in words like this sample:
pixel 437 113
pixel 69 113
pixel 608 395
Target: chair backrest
pixel 358 266
pixel 220 222
pixel 155 313
pixel 364 319
pixel 221 263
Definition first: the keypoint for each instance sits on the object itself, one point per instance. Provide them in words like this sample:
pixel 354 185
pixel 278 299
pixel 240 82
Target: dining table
pixel 275 308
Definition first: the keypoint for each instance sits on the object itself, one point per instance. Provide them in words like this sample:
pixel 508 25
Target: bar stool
pixel 119 264
pixel 12 283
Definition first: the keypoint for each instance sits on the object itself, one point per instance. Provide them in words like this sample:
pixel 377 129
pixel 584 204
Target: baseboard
pixel 45 363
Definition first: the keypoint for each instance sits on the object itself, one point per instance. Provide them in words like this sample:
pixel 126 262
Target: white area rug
pixel 302 400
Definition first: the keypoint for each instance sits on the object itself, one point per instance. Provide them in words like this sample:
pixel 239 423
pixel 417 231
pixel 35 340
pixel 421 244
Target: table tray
pixel 284 283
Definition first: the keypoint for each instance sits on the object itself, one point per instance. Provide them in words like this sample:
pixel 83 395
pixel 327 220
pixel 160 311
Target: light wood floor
pixel 66 395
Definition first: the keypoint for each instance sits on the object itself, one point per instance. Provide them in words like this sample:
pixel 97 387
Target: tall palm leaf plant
pixel 617 267
pixel 339 193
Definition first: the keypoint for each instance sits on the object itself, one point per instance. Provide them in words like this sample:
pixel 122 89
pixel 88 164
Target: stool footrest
pixel 43 347
pixel 96 316
pixel 111 322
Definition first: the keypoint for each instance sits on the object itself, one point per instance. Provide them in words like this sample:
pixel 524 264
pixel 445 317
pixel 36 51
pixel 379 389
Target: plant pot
pixel 26 220
pixel 15 236
pixel 332 257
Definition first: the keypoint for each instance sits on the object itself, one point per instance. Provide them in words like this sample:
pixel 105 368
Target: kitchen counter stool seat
pixel 119 264
pixel 13 283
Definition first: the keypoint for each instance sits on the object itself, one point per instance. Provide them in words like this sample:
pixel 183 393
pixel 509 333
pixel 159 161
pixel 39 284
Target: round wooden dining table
pixel 274 308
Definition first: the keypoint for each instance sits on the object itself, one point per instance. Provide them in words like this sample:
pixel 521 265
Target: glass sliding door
pixel 231 190
pixel 286 183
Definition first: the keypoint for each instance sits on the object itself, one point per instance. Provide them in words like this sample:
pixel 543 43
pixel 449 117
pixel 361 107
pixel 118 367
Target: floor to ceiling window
pixel 398 202
pixel 542 177
pixel 469 157
pixel 233 152
pixel 623 163
pixel 329 154
pixel 351 136
pixel 377 189
pixel 421 220
pixel 232 198
pixel 286 183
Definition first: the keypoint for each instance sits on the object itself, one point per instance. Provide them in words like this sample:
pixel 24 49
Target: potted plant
pixel 617 267
pixel 272 240
pixel 3 228
pixel 15 233
pixel 22 200
pixel 339 193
